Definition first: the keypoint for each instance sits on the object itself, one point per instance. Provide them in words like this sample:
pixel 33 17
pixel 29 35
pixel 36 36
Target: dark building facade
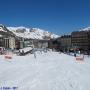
pixel 65 42
pixel 89 42
pixel 54 44
pixel 62 43
pixel 7 38
pixel 81 40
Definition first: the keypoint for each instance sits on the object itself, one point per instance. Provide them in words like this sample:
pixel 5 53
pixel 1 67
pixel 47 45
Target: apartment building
pixel 81 40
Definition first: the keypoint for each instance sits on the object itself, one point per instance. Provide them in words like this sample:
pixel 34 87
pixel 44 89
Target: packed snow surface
pixel 48 71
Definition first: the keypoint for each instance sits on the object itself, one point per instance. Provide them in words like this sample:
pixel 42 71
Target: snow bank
pixel 26 49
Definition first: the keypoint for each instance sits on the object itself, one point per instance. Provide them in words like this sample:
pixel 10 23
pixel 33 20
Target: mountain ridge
pixel 32 33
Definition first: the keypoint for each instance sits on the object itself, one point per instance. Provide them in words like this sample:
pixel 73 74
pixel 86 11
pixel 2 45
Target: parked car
pixel 2 49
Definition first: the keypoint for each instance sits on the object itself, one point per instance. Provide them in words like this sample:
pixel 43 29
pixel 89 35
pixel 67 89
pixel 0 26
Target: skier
pixel 74 54
pixel 22 52
pixel 34 54
pixel 79 52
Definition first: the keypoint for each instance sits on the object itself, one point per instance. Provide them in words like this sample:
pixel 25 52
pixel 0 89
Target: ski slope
pixel 48 71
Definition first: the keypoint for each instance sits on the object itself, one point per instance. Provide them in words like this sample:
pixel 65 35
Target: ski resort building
pixel 40 43
pixel 54 44
pixel 65 42
pixel 81 40
pixel 7 38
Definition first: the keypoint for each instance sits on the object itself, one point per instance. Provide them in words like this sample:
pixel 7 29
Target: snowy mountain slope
pixel 33 33
pixel 85 29
pixel 3 28
pixel 5 31
pixel 17 28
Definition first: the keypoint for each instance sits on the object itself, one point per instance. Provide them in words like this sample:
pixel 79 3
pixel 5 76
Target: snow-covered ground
pixel 48 71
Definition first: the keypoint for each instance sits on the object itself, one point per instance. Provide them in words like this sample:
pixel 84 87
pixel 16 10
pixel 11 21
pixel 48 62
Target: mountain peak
pixel 32 33
pixel 85 29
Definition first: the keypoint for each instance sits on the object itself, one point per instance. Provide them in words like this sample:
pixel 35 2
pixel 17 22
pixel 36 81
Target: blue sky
pixel 57 16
